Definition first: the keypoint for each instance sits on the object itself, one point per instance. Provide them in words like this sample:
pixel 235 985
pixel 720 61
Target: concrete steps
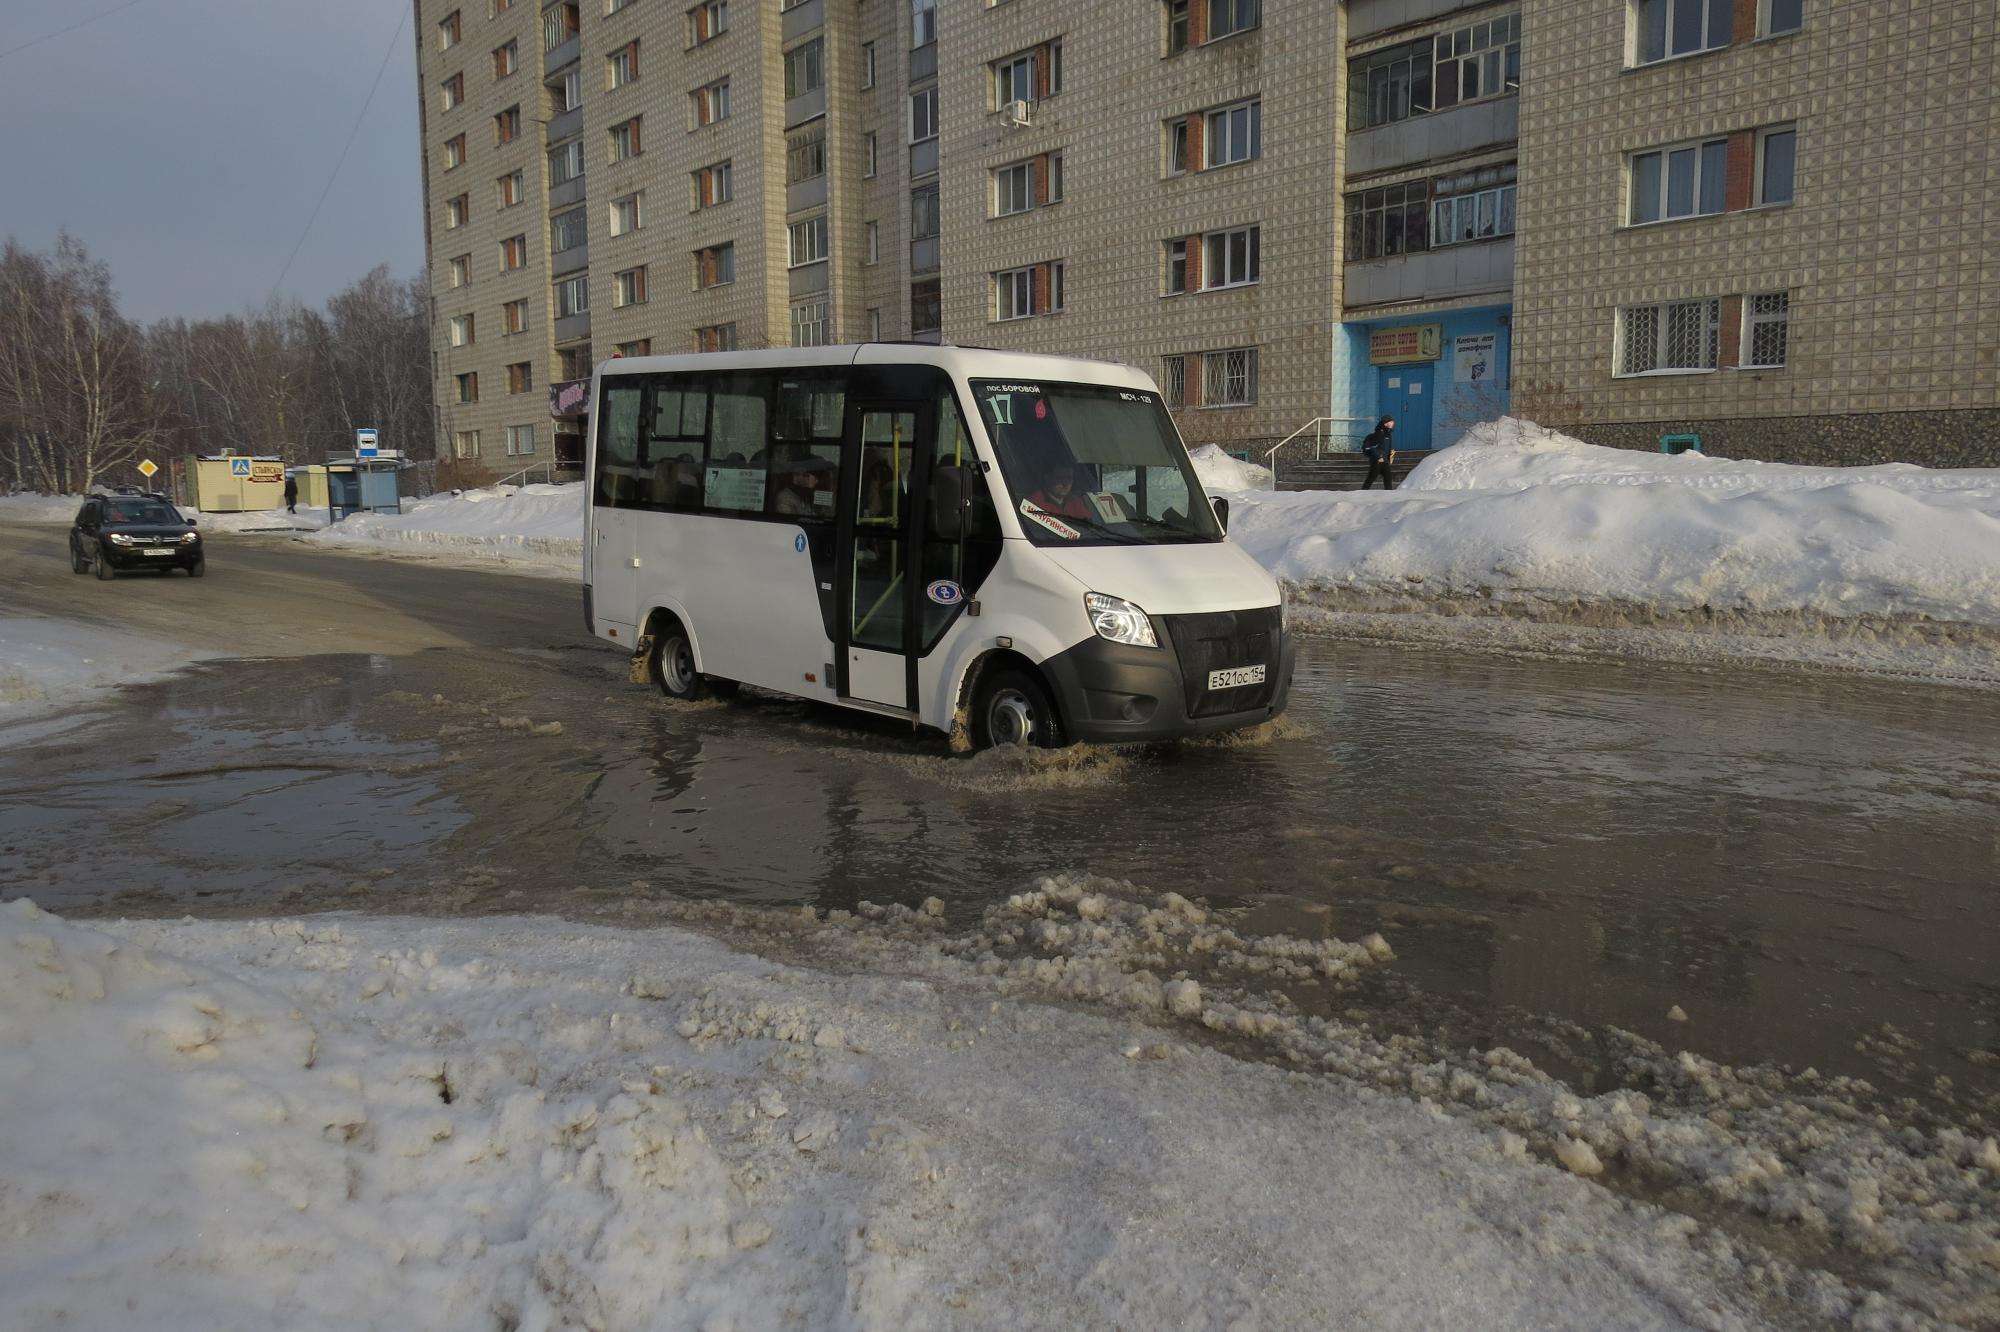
pixel 1339 471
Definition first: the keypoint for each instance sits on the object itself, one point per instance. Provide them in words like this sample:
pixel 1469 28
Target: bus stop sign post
pixel 366 443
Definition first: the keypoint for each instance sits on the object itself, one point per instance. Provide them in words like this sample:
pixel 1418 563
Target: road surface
pixel 1551 846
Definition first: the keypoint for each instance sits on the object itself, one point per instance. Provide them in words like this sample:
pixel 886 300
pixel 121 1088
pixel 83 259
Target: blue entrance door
pixel 1404 392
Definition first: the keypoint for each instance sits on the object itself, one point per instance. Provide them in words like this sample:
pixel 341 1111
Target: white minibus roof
pixel 971 362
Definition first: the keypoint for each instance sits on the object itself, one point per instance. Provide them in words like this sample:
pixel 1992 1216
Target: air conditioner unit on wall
pixel 1020 113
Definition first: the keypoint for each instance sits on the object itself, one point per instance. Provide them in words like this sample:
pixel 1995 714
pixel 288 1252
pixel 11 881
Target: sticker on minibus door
pixel 945 592
pixel 799 543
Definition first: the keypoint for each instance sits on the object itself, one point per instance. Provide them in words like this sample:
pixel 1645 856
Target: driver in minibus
pixel 1059 495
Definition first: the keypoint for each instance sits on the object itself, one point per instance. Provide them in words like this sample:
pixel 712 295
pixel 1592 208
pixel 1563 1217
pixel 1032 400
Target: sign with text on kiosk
pixel 366 443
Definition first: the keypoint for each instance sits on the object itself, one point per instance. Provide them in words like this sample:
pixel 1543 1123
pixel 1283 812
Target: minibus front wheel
pixel 1013 707
pixel 673 667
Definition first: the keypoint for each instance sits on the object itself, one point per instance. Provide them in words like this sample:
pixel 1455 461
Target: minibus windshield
pixel 1090 465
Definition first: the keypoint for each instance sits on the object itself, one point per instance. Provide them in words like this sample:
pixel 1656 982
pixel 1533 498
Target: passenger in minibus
pixel 800 484
pixel 1058 494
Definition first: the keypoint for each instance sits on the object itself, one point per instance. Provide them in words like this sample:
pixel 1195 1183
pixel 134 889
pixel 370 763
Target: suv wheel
pixel 198 568
pixel 102 568
pixel 77 564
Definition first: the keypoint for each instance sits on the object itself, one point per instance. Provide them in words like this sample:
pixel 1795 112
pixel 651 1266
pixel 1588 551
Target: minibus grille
pixel 1218 641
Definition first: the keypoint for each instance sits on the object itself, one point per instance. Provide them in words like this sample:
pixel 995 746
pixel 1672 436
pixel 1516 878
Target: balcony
pixel 809 279
pixel 802 19
pixel 924 255
pixel 1365 18
pixel 1475 268
pixel 1440 134
pixel 924 158
pixel 809 193
pixel 572 328
pixel 923 62
pixel 558 56
pixel 805 106
pixel 564 262
pixel 569 397
pixel 567 193
pixel 564 125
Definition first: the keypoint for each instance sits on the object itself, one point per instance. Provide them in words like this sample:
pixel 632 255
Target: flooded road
pixel 1792 861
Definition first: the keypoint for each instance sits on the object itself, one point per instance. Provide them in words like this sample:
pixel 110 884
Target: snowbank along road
pixel 1572 869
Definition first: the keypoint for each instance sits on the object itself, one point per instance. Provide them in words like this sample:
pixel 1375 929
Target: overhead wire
pixel 61 32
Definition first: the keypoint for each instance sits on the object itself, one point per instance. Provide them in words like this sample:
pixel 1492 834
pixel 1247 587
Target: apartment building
pixel 1765 224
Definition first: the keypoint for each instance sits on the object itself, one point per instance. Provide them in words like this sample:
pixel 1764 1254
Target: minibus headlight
pixel 1119 620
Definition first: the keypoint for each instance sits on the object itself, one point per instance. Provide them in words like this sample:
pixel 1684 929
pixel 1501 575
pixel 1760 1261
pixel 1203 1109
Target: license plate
pixel 1236 677
pixel 158 550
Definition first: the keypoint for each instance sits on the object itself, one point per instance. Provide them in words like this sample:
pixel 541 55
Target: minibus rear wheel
pixel 673 664
pixel 1014 708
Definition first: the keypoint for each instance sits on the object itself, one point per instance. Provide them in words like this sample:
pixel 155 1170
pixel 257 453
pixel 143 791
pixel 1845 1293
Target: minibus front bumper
pixel 1114 692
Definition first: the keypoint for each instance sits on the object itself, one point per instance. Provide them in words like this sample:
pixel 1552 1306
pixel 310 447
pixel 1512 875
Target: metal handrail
pixel 1319 441
pixel 532 468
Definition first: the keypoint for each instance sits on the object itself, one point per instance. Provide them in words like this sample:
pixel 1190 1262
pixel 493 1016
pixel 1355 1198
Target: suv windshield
pixel 1089 465
pixel 140 511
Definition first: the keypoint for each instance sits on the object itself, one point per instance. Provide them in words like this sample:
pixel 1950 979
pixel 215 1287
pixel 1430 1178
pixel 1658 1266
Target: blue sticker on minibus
pixel 944 592
pixel 799 543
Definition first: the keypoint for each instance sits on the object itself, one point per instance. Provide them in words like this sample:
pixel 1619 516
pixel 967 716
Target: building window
pixel 707 20
pixel 1235 134
pixel 452 91
pixel 1013 189
pixel 1177 266
pixel 923 115
pixel 566 162
pixel 465 443
pixel 714 185
pixel 642 347
pixel 520 439
pixel 1780 16
pixel 506 59
pixel 1390 85
pixel 1177 26
pixel 923 23
pixel 1676 337
pixel 874 323
pixel 574 362
pixel 808 244
pixel 1388 220
pixel 501 6
pixel 804 69
pixel 507 125
pixel 461 330
pixel 1472 205
pixel 456 211
pixel 1480 60
pixel 1230 258
pixel 461 270
pixel 924 213
pixel 454 152
pixel 1028 76
pixel 1662 29
pixel 572 296
pixel 867 65
pixel 566 93
pixel 1767 320
pixel 870 155
pixel 628 287
pixel 1777 159
pixel 511 188
pixel 715 338
pixel 622 65
pixel 715 266
pixel 450 30
pixel 926 307
pixel 1177 146
pixel 1173 380
pixel 628 214
pixel 559 24
pixel 1686 180
pixel 467 386
pixel 1014 294
pixel 1226 18
pixel 625 142
pixel 873 231
pixel 1229 378
pixel 613 6
pixel 568 230
pixel 521 377
pixel 710 103
pixel 513 253
pixel 809 325
pixel 805 159
pixel 514 317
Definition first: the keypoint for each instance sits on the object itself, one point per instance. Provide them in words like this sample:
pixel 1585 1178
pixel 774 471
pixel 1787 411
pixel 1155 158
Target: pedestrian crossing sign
pixel 239 467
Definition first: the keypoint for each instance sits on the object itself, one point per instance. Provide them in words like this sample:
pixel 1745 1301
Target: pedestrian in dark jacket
pixel 1380 447
pixel 291 493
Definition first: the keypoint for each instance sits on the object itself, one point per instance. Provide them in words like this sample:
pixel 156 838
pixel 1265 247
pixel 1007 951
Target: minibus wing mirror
pixel 948 503
pixel 1221 511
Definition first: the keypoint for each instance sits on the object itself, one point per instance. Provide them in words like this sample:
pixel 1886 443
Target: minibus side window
pixel 619 483
pixel 737 475
pixel 805 449
pixel 677 430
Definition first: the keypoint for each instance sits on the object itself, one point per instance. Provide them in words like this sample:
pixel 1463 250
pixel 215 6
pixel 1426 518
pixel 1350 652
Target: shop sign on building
pixel 1402 346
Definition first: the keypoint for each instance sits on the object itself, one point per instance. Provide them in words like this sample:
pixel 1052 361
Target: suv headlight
pixel 119 538
pixel 189 538
pixel 1119 620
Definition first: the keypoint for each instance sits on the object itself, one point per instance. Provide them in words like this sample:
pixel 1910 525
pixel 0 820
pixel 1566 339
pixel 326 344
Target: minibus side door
pixel 886 446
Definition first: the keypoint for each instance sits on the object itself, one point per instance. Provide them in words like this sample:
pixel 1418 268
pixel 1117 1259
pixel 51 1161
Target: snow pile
pixel 538 525
pixel 521 1123
pixel 260 520
pixel 1220 472
pixel 48 665
pixel 30 507
pixel 1519 513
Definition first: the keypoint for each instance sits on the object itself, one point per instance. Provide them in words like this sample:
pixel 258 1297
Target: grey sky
pixel 185 141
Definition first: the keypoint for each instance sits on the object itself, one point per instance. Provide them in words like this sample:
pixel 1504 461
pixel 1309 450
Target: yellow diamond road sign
pixel 146 469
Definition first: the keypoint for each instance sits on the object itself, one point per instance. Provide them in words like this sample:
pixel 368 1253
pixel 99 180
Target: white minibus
pixel 1010 549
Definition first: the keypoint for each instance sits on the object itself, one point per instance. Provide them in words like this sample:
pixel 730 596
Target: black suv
pixel 133 531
